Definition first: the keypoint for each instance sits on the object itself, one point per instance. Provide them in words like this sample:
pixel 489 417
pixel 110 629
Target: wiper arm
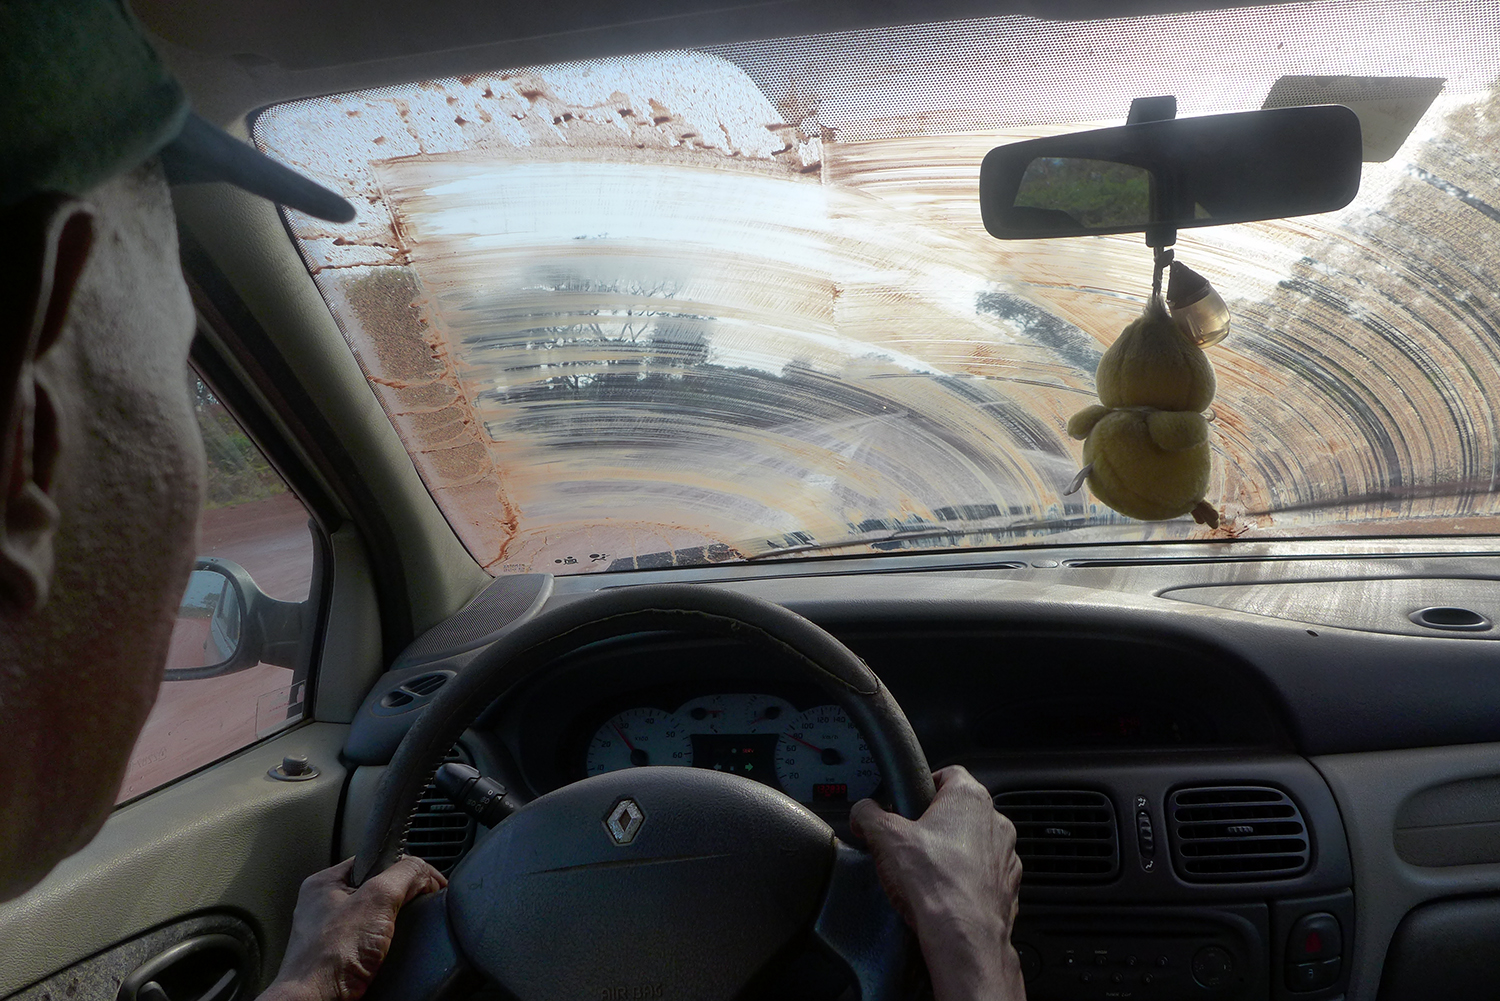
pixel 894 537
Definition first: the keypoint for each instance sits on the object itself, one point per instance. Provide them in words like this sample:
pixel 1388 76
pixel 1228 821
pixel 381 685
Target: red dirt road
pixel 269 538
pixel 197 722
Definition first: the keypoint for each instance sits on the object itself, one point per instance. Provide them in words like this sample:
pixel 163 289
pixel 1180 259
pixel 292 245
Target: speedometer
pixel 821 758
pixel 639 737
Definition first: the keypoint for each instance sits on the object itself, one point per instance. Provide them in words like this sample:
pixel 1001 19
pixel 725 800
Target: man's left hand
pixel 340 934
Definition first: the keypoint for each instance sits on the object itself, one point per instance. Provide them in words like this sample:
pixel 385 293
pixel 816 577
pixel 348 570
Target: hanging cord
pixel 1163 261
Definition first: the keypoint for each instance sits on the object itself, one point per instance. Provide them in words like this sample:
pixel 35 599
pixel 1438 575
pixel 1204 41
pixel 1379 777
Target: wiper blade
pixel 896 538
pixel 1457 488
pixel 899 537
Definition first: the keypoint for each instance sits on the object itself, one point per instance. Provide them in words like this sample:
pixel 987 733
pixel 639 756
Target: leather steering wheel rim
pixel 695 609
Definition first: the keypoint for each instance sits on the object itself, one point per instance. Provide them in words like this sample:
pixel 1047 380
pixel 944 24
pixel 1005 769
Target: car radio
pixel 1161 954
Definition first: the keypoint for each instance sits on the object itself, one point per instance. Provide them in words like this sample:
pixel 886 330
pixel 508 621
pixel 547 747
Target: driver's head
pixel 100 463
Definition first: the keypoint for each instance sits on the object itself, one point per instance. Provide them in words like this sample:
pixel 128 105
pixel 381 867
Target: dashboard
pixel 1105 700
pixel 1085 739
pixel 970 694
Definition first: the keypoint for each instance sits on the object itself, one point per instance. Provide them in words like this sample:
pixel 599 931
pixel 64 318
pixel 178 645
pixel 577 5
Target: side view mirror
pixel 227 624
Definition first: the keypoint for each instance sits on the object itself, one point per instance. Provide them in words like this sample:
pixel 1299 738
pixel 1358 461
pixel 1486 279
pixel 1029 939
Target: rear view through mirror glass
pixel 1092 193
pixel 207 633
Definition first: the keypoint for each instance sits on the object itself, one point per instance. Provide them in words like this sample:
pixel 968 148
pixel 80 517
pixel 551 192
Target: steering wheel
pixel 679 883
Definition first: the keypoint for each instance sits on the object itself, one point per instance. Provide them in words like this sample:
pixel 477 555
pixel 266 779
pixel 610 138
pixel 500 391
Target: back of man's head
pixel 100 462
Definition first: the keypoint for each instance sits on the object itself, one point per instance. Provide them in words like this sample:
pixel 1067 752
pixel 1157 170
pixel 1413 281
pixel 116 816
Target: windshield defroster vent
pixel 1235 833
pixel 440 832
pixel 1063 836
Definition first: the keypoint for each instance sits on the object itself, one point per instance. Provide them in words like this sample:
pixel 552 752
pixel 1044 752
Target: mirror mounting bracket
pixel 1163 260
pixel 1156 109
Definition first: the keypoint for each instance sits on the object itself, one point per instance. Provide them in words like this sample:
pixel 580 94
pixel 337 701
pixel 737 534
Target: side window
pixel 236 669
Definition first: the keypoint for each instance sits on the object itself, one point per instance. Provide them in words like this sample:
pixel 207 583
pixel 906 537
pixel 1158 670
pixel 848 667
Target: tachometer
pixel 821 758
pixel 639 737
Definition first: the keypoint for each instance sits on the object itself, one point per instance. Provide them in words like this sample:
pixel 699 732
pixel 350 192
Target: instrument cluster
pixel 815 755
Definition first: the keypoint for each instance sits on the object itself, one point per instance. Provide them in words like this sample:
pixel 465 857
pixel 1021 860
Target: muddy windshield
pixel 737 303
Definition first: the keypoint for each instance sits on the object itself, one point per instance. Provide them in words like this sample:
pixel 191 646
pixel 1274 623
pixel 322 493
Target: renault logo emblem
pixel 624 820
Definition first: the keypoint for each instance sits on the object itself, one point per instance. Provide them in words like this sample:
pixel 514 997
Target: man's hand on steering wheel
pixel 340 934
pixel 953 875
pixel 696 839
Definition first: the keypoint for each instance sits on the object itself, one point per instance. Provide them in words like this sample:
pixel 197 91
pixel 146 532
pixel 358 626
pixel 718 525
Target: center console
pixel 1220 879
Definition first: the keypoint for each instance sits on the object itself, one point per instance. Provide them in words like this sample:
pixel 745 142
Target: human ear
pixel 55 237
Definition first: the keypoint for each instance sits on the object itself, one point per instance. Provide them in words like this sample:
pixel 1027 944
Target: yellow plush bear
pixel 1145 444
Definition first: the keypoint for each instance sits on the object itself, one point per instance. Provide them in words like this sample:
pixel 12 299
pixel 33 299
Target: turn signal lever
pixel 483 799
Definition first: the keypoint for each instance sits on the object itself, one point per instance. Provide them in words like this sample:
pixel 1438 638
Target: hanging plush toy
pixel 1145 444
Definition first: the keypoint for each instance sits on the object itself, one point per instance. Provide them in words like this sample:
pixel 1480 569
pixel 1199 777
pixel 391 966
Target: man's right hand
pixel 953 875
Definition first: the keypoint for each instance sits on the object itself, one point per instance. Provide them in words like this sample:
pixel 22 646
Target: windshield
pixel 738 303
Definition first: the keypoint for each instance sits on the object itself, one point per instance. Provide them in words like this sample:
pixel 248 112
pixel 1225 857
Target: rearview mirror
pixel 227 624
pixel 1179 173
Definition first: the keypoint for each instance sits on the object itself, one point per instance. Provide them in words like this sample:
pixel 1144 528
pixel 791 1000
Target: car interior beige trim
pixel 352 639
pixel 229 837
pixel 1371 790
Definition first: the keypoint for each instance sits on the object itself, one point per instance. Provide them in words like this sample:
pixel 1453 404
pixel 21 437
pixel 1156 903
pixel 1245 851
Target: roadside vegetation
pixel 237 472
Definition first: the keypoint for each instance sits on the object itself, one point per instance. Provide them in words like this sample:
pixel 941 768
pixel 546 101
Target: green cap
pixel 86 98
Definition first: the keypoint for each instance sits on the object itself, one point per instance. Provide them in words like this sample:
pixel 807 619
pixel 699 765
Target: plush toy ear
pixel 1176 430
pixel 55 235
pixel 1081 423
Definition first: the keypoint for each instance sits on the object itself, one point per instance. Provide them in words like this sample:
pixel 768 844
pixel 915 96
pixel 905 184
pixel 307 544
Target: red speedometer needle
pixel 804 743
pixel 628 744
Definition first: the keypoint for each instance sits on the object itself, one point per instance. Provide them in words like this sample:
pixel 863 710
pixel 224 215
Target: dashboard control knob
pixel 1212 966
pixel 1144 833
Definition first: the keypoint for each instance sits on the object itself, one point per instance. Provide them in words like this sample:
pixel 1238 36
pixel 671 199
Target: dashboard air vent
pixel 440 832
pixel 412 693
pixel 1065 836
pixel 426 684
pixel 1231 833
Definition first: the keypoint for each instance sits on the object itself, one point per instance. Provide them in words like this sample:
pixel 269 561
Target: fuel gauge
pixel 736 713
